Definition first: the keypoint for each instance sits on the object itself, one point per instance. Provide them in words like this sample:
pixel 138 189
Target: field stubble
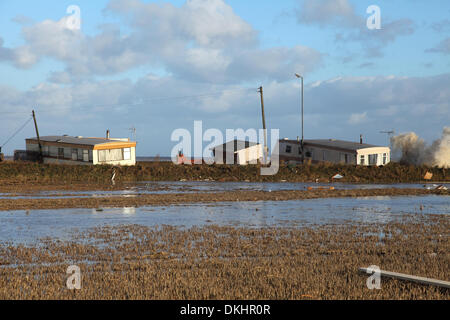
pixel 212 262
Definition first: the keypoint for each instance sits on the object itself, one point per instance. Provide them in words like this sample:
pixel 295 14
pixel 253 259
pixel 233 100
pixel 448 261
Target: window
pixel 373 159
pixel 110 155
pixel 361 160
pixel 75 154
pixel 60 152
pixel 86 155
pixel 384 158
pixel 127 154
pixel 346 158
pixel 308 154
pixel 288 149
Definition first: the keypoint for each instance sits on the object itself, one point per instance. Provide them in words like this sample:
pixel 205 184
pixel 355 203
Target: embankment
pixel 16 173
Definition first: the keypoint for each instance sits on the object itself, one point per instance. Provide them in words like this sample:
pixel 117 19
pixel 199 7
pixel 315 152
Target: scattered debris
pixel 428 176
pixel 436 187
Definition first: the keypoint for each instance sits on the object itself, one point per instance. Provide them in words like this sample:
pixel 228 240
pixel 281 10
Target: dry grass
pixel 17 173
pixel 135 262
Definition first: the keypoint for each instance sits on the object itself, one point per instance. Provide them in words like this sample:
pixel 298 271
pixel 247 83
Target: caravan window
pixel 75 154
pixel 127 154
pixel 110 155
pixel 288 149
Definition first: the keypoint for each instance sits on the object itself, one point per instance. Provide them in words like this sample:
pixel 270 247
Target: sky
pixel 158 66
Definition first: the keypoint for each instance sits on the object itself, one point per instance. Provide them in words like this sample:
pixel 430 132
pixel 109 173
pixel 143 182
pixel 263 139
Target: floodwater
pixel 136 189
pixel 28 227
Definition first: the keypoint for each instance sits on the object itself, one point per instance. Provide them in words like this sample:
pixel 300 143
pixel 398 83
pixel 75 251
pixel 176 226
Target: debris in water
pixel 428 176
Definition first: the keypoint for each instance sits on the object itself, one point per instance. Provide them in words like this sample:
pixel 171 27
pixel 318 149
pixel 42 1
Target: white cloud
pixel 357 118
pixel 342 107
pixel 203 41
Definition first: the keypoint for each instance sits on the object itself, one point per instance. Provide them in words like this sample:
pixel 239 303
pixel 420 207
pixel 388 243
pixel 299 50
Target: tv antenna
pixel 133 132
pixel 390 134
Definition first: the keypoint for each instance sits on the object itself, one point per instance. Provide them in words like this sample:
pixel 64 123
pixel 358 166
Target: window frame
pixel 362 159
pixel 126 151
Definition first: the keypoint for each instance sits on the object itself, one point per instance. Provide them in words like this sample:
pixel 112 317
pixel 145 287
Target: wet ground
pixel 228 240
pixel 27 226
pixel 145 188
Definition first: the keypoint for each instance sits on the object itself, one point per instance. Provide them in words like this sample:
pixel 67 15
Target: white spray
pixel 414 150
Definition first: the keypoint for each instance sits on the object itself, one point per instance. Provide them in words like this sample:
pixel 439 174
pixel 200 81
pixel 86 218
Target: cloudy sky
pixel 158 66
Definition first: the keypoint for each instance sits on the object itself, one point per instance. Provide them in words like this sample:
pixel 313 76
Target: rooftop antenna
pixel 133 132
pixel 390 133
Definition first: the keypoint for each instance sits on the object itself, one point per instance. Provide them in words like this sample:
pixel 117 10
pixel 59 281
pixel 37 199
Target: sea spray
pixel 415 151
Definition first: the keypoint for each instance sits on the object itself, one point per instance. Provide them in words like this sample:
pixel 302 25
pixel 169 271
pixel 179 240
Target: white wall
pixel 93 156
pixel 250 155
pixel 130 162
pixel 379 151
pixel 328 154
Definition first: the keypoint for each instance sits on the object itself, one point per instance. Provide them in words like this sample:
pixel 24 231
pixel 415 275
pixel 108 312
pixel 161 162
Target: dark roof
pixel 333 143
pixel 235 145
pixel 75 140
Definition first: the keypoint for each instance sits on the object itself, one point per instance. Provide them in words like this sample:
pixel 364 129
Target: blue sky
pixel 132 60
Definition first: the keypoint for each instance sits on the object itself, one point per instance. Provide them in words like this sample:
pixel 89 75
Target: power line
pixel 140 102
pixel 16 132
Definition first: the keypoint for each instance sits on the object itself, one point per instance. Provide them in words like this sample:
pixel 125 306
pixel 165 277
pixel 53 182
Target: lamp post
pixel 301 77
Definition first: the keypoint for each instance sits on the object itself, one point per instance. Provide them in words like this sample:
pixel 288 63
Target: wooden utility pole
pixel 266 151
pixel 37 134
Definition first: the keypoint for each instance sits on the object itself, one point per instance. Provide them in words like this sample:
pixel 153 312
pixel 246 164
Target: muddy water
pixel 29 226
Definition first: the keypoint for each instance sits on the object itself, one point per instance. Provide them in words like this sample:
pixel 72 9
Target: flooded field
pixel 146 188
pixel 229 240
pixel 29 225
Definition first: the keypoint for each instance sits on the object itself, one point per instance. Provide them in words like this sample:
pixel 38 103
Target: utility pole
pixel 37 134
pixel 303 155
pixel 266 151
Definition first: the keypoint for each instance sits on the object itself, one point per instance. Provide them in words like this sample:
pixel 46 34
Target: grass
pixel 13 173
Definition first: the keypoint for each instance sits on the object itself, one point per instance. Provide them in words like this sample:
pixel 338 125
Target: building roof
pixel 335 144
pixel 96 143
pixel 235 145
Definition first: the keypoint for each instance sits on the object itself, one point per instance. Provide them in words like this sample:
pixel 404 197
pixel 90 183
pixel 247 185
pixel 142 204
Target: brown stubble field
pixel 212 262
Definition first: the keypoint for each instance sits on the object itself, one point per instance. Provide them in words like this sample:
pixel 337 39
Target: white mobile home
pixel 238 152
pixel 84 151
pixel 335 151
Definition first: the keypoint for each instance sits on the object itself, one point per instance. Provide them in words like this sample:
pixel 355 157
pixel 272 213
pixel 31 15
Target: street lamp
pixel 301 77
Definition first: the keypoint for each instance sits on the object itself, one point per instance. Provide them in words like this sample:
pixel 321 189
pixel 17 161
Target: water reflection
pixel 27 226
